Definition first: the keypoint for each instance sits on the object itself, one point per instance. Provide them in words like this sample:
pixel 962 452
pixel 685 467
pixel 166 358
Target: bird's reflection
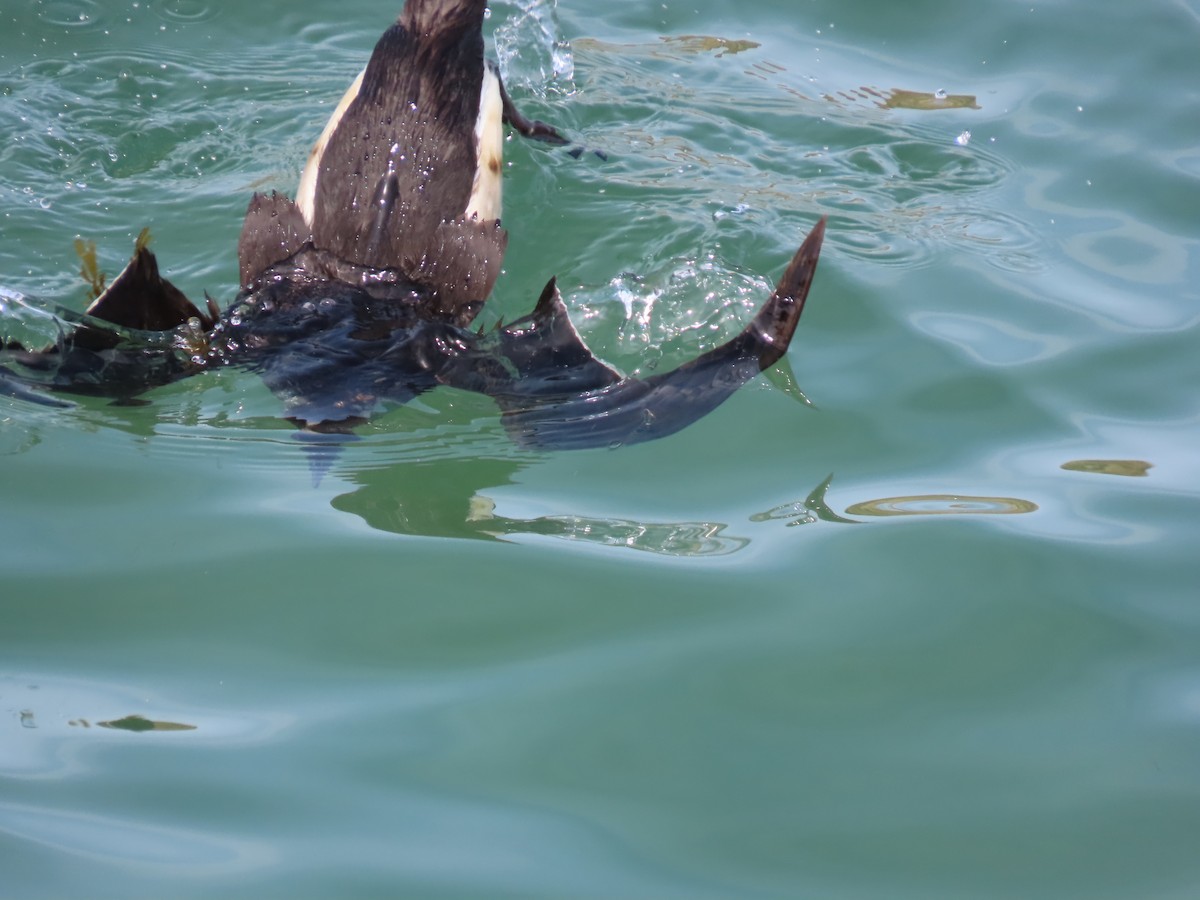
pixel 452 498
pixel 449 498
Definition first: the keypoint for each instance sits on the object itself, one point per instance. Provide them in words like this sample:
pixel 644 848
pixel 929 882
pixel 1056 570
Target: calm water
pixel 454 669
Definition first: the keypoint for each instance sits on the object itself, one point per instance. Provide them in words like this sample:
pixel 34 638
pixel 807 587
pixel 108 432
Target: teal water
pixel 456 669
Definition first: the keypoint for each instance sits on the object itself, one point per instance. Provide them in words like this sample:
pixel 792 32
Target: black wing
pixel 555 394
pixel 124 344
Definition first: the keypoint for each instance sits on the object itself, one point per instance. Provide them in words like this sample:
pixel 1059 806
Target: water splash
pixel 684 308
pixel 530 46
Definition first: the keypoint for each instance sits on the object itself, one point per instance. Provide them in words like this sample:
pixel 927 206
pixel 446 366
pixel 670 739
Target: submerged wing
pixel 537 359
pixel 332 352
pixel 12 384
pixel 95 358
pixel 123 345
pixel 558 396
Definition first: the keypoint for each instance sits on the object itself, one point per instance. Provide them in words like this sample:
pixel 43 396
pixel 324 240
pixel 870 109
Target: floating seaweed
pixel 901 99
pixel 141 723
pixel 1129 468
pixel 702 43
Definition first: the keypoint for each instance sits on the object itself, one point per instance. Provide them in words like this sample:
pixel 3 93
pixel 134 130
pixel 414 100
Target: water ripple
pixel 902 188
pixel 989 340
pixel 185 11
pixel 118 841
pixel 71 13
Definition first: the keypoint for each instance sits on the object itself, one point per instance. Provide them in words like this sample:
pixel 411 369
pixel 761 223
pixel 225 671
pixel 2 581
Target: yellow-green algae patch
pixel 1129 468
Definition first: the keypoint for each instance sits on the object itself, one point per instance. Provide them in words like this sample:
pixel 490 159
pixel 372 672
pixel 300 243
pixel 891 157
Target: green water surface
pixel 967 666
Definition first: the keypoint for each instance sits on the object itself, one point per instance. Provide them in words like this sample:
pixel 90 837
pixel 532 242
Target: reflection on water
pixel 897 98
pixel 815 508
pixel 811 509
pixel 942 505
pixel 446 498
pixel 1131 468
pixel 441 482
pixel 118 841
pixel 901 99
pixel 702 43
pixel 667 538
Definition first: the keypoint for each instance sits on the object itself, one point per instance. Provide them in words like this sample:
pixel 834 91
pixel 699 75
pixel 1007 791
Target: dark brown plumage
pixel 360 291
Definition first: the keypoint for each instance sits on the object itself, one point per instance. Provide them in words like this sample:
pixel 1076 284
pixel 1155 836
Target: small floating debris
pixel 140 723
pixel 702 43
pixel 901 99
pixel 942 505
pixel 1129 468
pixel 89 267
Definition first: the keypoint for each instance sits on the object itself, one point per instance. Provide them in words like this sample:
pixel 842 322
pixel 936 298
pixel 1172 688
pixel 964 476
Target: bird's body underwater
pixel 361 290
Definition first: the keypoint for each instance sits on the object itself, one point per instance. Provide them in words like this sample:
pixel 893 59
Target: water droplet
pixel 940 94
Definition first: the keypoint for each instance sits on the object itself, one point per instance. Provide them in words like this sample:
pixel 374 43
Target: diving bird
pixel 360 290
